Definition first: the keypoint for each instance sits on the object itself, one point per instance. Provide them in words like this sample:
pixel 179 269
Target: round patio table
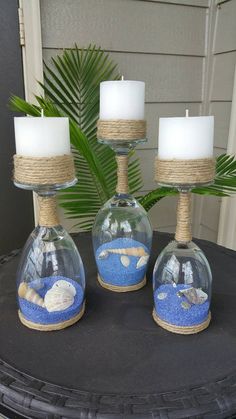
pixel 116 362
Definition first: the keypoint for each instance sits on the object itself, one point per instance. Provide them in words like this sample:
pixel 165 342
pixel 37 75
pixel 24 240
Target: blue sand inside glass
pixel 37 314
pixel 111 269
pixel 171 311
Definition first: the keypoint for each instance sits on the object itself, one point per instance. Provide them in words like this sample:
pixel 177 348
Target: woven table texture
pixel 116 362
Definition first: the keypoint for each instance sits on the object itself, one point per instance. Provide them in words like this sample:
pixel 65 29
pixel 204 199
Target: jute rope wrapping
pixel 122 174
pixel 184 172
pixel 120 129
pixel 52 326
pixel 48 211
pixel 117 288
pixel 182 330
pixel 43 170
pixel 183 228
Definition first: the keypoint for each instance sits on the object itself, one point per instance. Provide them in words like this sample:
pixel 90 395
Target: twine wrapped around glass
pixel 182 278
pixel 50 276
pixel 122 234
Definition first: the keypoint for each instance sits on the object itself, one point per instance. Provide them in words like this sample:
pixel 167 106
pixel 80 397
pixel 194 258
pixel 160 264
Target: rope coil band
pixel 120 129
pixel 122 174
pixel 52 326
pixel 184 172
pixel 117 288
pixel 43 170
pixel 48 211
pixel 183 228
pixel 182 330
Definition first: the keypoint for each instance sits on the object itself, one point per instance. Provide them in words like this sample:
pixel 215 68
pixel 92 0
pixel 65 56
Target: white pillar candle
pixel 42 137
pixel 186 138
pixel 122 99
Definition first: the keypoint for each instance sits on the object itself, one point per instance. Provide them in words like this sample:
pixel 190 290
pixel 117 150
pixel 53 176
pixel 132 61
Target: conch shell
pixel 58 299
pixel 29 294
pixel 129 251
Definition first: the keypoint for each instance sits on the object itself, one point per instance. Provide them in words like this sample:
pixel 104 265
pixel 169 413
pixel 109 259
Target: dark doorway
pixel 16 207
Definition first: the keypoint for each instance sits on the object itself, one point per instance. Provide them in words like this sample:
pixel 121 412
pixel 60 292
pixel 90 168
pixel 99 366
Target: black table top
pixel 116 362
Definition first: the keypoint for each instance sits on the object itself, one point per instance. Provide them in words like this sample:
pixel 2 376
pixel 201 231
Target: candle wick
pixel 42 113
pixel 187 113
pixel 122 77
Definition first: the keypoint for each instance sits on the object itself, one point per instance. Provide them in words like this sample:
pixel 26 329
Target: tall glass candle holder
pixel 122 233
pixel 50 276
pixel 182 278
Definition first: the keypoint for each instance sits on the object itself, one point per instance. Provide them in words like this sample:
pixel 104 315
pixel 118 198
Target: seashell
pixel 162 295
pixel 62 283
pixel 125 260
pixel 129 251
pixel 185 305
pixel 58 299
pixel 29 294
pixel 194 295
pixel 171 271
pixel 142 261
pixel 188 273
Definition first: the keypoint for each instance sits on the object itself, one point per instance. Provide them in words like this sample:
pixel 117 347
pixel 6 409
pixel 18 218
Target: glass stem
pixel 122 186
pixel 183 228
pixel 48 210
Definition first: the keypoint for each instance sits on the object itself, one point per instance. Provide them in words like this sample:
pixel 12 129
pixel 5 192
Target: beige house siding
pixel 168 45
pixel 218 97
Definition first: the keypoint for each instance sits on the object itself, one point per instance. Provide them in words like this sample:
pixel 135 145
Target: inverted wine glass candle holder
pixel 182 277
pixel 50 277
pixel 122 233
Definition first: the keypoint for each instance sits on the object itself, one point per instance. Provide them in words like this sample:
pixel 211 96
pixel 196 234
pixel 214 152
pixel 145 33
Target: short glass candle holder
pixel 122 233
pixel 182 279
pixel 50 276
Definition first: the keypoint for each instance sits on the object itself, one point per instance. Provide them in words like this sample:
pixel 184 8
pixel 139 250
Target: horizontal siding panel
pixel 221 111
pixel 206 233
pixel 124 25
pixel 226 28
pixel 163 214
pixel 168 78
pixel 154 111
pixel 195 3
pixel 211 212
pixel 147 159
pixel 223 76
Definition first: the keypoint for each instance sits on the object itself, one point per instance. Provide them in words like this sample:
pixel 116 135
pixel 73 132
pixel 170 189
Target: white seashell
pixel 29 294
pixel 142 261
pixel 125 261
pixel 61 283
pixel 161 295
pixel 194 295
pixel 58 299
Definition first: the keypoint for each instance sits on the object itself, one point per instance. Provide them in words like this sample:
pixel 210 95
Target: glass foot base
pixel 117 288
pixel 182 330
pixel 52 326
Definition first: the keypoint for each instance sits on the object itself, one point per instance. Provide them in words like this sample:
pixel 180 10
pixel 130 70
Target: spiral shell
pixel 29 294
pixel 129 251
pixel 58 299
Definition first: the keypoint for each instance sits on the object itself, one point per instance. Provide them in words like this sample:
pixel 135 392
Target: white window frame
pixel 227 222
pixel 31 43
